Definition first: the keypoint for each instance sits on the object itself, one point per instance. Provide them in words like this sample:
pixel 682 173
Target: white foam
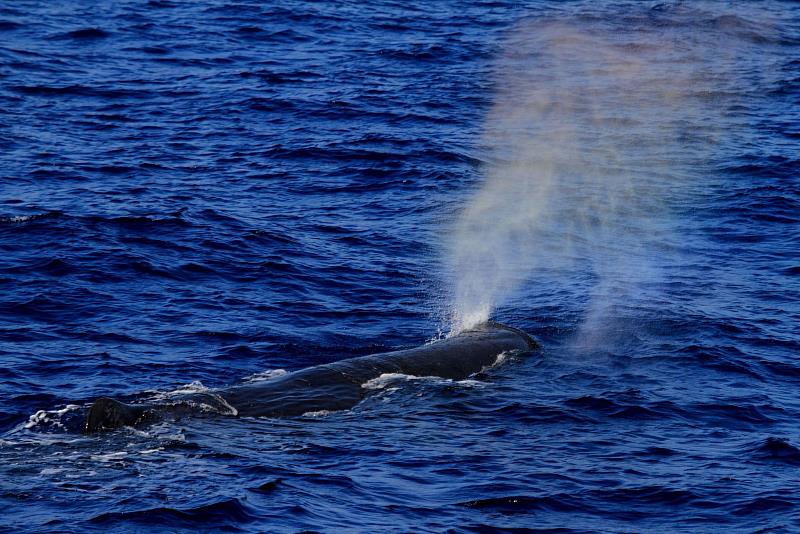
pixel 186 389
pixel 231 410
pixel 501 358
pixel 109 457
pixel 223 407
pixel 264 375
pixel 49 416
pixel 18 218
pixel 162 431
pixel 318 413
pixel 52 470
pixel 387 379
pixel 137 432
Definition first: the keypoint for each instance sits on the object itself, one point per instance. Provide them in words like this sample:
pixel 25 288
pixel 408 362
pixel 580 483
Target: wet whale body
pixel 334 386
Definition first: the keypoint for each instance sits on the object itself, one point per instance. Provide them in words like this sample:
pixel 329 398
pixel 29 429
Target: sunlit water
pixel 194 194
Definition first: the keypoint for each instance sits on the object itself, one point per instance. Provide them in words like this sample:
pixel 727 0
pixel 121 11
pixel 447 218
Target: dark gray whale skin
pixel 333 386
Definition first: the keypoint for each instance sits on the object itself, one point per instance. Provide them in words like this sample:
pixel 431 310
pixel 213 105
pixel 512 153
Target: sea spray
pixel 586 142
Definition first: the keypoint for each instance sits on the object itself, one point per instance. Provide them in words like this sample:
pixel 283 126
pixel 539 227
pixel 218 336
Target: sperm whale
pixel 333 386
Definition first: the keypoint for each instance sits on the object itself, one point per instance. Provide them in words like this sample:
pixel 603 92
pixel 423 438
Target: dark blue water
pixel 193 194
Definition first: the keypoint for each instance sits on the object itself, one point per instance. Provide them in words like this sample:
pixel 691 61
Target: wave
pixel 776 450
pixel 80 90
pixel 84 34
pixel 226 512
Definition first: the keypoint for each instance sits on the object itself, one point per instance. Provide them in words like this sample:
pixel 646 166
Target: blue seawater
pixel 198 193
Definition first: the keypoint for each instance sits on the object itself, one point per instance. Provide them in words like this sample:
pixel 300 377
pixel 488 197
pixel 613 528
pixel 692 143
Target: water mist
pixel 584 144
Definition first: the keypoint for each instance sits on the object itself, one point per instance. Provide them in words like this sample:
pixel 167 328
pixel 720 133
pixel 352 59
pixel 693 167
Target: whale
pixel 328 387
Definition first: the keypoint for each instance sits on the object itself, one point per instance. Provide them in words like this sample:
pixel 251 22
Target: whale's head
pixel 492 326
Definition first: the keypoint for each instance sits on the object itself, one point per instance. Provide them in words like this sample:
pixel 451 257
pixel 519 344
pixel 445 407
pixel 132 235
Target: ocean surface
pixel 197 194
